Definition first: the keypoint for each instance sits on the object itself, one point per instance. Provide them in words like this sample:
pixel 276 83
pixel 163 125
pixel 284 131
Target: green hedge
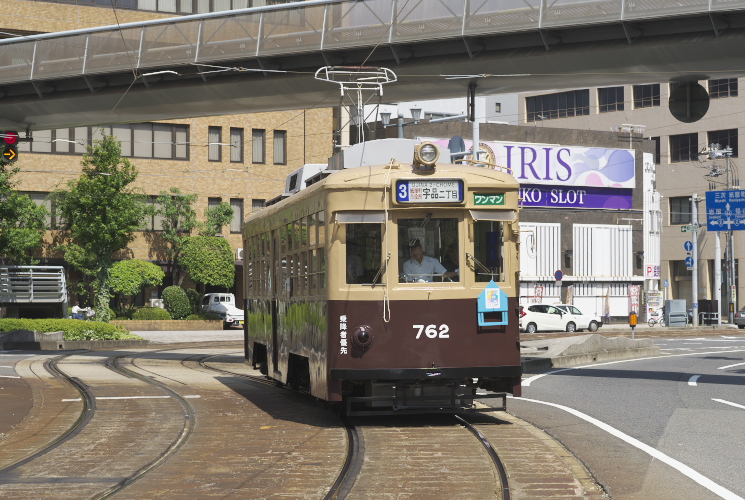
pixel 204 315
pixel 151 313
pixel 73 329
pixel 195 300
pixel 176 302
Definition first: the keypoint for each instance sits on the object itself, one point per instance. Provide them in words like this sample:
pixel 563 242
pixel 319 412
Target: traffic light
pixel 9 146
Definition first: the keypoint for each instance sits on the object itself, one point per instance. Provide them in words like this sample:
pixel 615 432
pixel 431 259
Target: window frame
pixel 236 145
pixel 260 135
pixel 679 152
pixel 678 215
pixel 646 101
pixel 610 99
pixel 214 148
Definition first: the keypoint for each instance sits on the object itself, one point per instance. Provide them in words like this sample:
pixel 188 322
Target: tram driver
pixel 422 268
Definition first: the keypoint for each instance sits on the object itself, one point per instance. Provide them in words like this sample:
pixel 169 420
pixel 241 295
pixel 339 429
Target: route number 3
pixel 432 332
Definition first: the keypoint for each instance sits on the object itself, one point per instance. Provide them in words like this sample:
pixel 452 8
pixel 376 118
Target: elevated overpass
pixel 172 68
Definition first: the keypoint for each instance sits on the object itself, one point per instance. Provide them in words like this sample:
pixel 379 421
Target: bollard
pixel 632 322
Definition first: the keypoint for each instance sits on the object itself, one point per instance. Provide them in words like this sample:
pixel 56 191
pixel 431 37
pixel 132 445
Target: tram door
pixel 276 280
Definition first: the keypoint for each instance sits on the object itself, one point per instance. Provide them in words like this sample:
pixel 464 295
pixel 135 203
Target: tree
pixel 22 222
pixel 216 217
pixel 101 213
pixel 179 219
pixel 129 277
pixel 209 260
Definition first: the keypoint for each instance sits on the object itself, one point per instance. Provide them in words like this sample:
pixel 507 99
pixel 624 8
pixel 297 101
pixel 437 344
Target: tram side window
pixel 488 251
pixel 364 252
pixel 428 250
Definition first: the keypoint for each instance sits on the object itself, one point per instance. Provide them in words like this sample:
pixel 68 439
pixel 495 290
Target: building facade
pixel 639 113
pixel 241 159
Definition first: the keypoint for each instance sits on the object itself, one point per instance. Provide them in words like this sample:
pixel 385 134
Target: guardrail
pixel 32 285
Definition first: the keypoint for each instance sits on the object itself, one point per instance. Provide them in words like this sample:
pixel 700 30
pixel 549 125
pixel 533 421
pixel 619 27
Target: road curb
pixel 534 364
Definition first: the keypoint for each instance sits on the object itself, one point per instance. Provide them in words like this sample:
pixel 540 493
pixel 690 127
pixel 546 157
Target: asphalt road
pixel 663 427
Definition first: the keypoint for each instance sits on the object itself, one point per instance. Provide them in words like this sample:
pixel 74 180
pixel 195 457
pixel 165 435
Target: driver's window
pixel 428 250
pixel 364 253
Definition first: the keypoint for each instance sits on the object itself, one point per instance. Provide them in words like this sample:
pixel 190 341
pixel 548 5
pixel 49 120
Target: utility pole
pixel 694 276
pixel 714 152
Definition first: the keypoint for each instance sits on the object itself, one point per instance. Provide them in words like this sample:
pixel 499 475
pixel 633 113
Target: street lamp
pixel 416 114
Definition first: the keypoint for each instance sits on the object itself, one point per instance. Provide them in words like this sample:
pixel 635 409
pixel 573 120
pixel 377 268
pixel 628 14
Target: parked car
pixel 582 321
pixel 223 305
pixel 740 318
pixel 546 318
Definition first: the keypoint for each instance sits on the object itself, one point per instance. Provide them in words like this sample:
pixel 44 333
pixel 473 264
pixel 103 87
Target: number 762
pixel 432 331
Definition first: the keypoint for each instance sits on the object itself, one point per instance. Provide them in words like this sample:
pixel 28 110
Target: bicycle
pixel 653 321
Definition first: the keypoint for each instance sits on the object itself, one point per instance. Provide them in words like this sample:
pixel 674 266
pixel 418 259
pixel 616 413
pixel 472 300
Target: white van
pixel 223 305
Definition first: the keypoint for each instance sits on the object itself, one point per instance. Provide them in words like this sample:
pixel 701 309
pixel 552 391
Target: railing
pixel 32 285
pixel 311 26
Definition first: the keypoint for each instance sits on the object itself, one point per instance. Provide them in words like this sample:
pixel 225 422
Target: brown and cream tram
pixel 388 287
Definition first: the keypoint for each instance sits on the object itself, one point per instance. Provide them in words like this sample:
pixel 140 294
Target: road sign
pixel 725 210
pixel 689 262
pixel 667 283
pixel 688 246
pixel 685 229
pixel 558 275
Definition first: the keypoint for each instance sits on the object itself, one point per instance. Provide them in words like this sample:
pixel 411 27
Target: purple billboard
pixel 575 197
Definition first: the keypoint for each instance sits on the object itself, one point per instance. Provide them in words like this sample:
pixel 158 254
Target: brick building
pixel 241 159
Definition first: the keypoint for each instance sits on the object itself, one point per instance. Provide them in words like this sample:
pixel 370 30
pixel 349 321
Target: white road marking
pixel 730 366
pixel 692 380
pixel 9 376
pixel 193 396
pixel 728 403
pixel 527 381
pixel 653 452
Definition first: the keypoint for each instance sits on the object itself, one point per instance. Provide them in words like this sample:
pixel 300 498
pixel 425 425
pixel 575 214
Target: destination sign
pixel 429 191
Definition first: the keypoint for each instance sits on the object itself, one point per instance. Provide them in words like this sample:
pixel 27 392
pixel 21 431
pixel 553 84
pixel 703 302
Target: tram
pixel 388 287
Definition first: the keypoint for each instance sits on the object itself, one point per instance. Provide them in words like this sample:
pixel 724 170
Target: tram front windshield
pixel 428 250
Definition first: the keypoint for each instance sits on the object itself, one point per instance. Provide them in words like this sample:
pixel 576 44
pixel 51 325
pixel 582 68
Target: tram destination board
pixel 429 191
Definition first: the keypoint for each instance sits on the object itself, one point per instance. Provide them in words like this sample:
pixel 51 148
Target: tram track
pixel 492 454
pixel 86 414
pixel 24 471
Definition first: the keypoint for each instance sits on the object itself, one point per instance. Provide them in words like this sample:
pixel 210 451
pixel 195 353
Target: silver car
pixel 582 321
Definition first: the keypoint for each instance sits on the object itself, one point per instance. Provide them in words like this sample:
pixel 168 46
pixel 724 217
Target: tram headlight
pixel 425 156
pixel 362 337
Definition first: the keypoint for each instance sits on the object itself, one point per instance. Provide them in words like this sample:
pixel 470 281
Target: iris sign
pixel 565 176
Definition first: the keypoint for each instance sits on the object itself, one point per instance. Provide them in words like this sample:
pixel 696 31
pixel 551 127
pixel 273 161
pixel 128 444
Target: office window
pixel 726 87
pixel 559 105
pixel 41 200
pixel 610 99
pixel 212 203
pixel 657 155
pixel 143 140
pixel 680 210
pixel 257 204
pixel 237 205
pixel 138 140
pixel 154 222
pixel 280 147
pixel 725 138
pixel 258 145
pixel 215 144
pixel 497 107
pixel 236 145
pixel 646 96
pixel 684 147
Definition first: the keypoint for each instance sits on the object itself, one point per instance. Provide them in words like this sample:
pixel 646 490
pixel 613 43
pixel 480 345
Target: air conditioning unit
pixel 238 254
